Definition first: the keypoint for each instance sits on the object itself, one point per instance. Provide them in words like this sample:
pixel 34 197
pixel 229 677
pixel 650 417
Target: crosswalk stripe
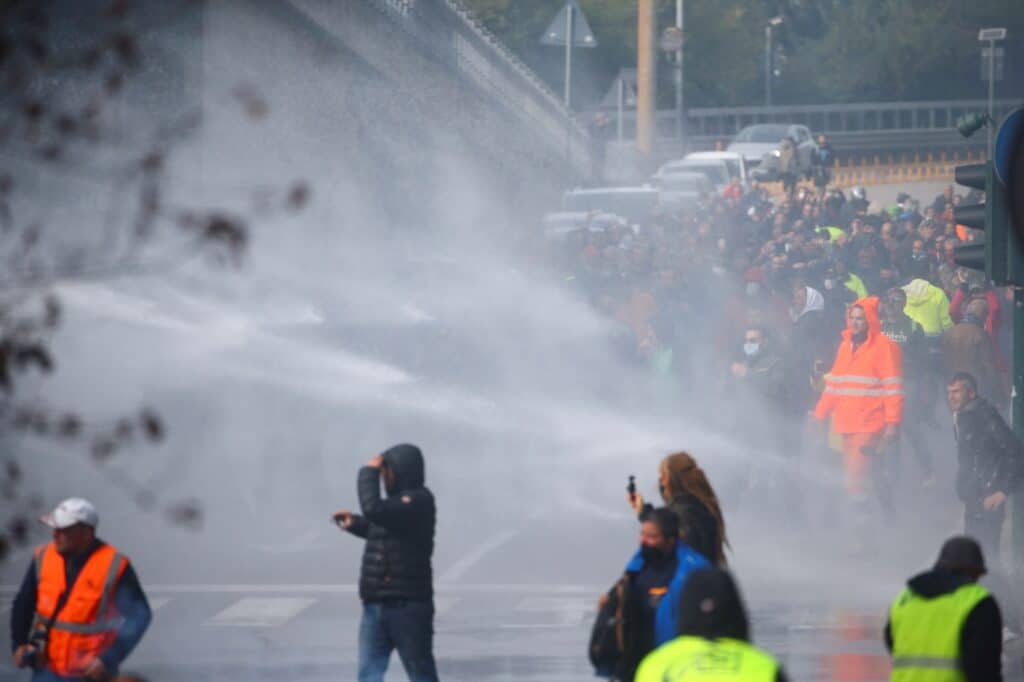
pixel 157 602
pixel 570 610
pixel 444 604
pixel 264 612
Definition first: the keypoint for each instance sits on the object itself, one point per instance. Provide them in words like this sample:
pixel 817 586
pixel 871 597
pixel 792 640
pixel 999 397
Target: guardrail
pixel 447 30
pixel 858 129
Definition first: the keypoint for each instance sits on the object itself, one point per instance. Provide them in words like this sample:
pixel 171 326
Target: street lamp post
pixel 680 124
pixel 774 21
pixel 991 36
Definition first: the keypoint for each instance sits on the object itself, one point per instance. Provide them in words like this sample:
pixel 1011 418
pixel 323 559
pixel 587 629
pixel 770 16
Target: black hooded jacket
pixel 981 638
pixel 399 530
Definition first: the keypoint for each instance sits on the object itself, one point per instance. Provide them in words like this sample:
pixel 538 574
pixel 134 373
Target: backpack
pixel 608 636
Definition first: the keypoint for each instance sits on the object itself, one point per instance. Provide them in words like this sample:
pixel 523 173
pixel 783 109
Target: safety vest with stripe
pixel 88 623
pixel 695 659
pixel 926 634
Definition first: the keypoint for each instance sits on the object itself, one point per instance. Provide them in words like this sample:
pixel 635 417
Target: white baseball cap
pixel 72 511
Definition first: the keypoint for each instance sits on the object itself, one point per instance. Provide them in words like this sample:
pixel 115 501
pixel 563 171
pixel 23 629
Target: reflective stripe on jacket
pixel 926 634
pixel 864 389
pixel 695 659
pixel 88 623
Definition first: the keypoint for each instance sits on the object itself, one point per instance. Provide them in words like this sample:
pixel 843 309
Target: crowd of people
pixel 816 307
pixel 750 298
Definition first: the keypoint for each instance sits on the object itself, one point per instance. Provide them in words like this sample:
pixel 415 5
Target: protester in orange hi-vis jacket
pixel 863 391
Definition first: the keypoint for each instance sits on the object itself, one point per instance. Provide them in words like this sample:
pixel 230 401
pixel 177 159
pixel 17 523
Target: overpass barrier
pixel 447 31
pixel 853 129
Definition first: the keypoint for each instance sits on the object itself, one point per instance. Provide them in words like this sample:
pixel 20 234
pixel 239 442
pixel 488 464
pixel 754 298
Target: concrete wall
pixel 356 101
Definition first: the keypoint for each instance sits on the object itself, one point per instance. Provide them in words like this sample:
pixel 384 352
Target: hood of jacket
pixel 870 307
pixel 936 583
pixel 920 292
pixel 406 461
pixel 815 303
pixel 711 607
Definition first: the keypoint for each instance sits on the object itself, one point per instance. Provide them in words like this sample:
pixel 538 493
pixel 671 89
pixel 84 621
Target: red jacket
pixel 864 389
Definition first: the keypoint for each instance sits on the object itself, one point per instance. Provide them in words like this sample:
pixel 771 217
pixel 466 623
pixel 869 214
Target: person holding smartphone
pixel 396 579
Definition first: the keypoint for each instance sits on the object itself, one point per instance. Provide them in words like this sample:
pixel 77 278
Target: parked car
pixel 755 141
pixel 635 204
pixel 734 162
pixel 716 170
pixel 682 191
pixel 559 224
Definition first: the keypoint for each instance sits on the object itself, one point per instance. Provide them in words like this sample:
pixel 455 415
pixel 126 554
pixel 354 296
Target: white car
pixel 755 141
pixel 682 191
pixel 559 224
pixel 635 204
pixel 716 170
pixel 734 162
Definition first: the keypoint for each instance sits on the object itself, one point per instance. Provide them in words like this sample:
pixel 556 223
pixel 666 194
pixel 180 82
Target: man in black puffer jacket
pixel 396 582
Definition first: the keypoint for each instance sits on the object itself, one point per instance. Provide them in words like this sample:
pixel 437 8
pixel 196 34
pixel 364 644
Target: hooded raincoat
pixel 928 305
pixel 864 390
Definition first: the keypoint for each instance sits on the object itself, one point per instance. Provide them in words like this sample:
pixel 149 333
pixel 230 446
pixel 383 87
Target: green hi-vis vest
pixel 926 634
pixel 695 659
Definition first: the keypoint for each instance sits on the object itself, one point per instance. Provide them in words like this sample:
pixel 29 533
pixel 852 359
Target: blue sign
pixel 1009 141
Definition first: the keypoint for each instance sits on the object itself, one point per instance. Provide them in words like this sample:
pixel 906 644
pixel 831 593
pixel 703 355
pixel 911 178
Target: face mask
pixel 652 553
pixel 751 349
pixel 830 284
pixel 752 288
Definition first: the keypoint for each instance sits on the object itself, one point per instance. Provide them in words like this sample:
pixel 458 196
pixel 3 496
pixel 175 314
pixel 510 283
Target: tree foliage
pixel 68 136
pixel 828 50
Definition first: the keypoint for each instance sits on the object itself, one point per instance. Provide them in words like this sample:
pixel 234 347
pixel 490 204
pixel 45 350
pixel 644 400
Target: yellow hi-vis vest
pixel 695 659
pixel 926 634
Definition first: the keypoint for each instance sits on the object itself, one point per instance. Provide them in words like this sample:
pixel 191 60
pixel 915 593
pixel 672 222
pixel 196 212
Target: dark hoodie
pixel 981 638
pixel 399 530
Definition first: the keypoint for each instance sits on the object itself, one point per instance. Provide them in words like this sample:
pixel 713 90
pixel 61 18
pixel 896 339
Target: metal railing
pixel 861 127
pixel 841 118
pixel 447 30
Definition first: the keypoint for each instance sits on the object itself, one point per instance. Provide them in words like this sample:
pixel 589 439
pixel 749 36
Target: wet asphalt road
pixel 823 623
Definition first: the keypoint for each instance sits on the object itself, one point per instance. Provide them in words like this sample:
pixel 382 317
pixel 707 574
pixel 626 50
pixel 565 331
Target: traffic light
pixel 968 124
pixel 996 250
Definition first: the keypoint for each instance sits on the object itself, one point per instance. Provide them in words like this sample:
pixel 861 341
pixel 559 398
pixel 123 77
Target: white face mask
pixel 751 349
pixel 830 284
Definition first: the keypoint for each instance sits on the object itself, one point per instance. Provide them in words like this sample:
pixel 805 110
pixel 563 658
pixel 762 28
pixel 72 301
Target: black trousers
pixel 987 528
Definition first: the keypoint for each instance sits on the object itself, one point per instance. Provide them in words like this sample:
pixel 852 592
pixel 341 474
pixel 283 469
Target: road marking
pixel 157 602
pixel 352 588
pixel 262 612
pixel 444 604
pixel 569 610
pixel 460 567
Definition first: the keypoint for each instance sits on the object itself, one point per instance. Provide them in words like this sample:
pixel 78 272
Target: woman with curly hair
pixel 686 491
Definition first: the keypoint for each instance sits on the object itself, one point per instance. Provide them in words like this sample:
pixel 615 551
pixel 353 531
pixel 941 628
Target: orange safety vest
pixel 89 621
pixel 864 389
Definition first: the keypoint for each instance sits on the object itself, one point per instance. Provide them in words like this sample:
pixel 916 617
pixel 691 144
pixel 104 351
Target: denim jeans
pixel 407 626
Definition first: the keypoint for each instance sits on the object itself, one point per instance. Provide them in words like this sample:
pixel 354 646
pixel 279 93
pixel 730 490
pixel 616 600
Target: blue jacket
pixel 666 619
